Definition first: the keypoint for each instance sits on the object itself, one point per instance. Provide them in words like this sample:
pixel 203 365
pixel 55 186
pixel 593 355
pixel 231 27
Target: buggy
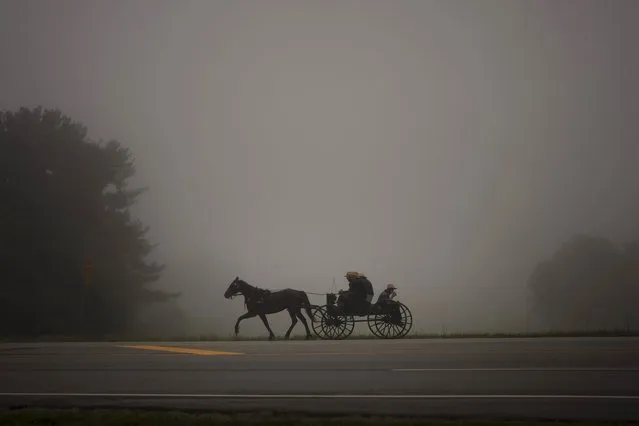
pixel 386 320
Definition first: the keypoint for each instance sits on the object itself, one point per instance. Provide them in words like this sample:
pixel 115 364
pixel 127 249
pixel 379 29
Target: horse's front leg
pixel 242 317
pixel 271 336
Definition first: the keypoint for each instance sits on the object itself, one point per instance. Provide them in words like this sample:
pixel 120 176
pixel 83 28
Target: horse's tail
pixel 307 305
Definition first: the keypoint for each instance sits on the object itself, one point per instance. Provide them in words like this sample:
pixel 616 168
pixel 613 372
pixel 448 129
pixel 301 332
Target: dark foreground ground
pixel 558 378
pixel 66 417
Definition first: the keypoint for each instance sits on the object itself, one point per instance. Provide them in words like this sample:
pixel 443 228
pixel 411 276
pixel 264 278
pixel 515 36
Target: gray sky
pixel 446 146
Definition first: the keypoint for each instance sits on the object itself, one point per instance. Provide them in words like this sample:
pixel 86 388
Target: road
pixel 554 378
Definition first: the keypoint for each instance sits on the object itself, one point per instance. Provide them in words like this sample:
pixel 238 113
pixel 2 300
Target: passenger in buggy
pixel 387 295
pixel 357 299
pixel 386 304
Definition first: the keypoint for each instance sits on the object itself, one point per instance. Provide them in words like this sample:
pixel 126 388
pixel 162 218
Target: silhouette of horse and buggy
pixel 389 319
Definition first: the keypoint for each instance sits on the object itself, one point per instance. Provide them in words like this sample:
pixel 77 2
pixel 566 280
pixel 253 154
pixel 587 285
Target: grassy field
pixel 35 417
pixel 214 337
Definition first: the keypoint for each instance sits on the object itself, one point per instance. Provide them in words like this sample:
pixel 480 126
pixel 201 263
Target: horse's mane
pixel 256 290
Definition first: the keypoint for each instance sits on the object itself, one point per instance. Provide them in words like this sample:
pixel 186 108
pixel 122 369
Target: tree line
pixel 76 262
pixel 589 283
pixel 74 259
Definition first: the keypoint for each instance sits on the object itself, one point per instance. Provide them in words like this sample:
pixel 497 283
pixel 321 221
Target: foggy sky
pixel 446 146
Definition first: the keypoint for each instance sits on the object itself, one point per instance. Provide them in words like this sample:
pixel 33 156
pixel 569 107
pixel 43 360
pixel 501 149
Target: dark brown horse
pixel 261 302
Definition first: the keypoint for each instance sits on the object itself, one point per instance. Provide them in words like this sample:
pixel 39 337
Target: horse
pixel 262 302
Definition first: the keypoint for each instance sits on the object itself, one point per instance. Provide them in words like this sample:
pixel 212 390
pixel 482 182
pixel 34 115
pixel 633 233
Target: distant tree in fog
pixel 588 283
pixel 64 199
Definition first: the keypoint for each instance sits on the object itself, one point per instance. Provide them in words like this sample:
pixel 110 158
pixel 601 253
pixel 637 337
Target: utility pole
pixel 88 279
pixel 88 271
pixel 528 307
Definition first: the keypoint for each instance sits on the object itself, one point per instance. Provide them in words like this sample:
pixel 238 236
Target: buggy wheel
pixel 317 321
pixel 329 325
pixel 393 322
pixel 348 326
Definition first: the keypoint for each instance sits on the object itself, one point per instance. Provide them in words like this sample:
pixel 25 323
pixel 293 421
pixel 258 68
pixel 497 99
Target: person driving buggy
pixel 359 293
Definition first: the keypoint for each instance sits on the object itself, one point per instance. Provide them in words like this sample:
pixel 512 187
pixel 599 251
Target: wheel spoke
pixel 388 326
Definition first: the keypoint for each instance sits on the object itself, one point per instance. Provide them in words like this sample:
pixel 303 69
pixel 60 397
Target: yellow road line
pixel 175 349
pixel 405 351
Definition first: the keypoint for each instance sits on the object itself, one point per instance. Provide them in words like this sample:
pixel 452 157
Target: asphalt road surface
pixel 555 378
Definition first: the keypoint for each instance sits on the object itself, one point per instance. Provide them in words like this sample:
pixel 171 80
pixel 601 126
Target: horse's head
pixel 234 288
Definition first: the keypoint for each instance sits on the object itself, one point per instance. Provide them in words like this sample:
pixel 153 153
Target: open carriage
pixel 388 320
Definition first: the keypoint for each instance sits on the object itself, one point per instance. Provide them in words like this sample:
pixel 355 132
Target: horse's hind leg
pixel 271 336
pixel 293 322
pixel 308 330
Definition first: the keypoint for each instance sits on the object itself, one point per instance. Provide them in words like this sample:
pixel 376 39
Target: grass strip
pixel 99 417
pixel 218 338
